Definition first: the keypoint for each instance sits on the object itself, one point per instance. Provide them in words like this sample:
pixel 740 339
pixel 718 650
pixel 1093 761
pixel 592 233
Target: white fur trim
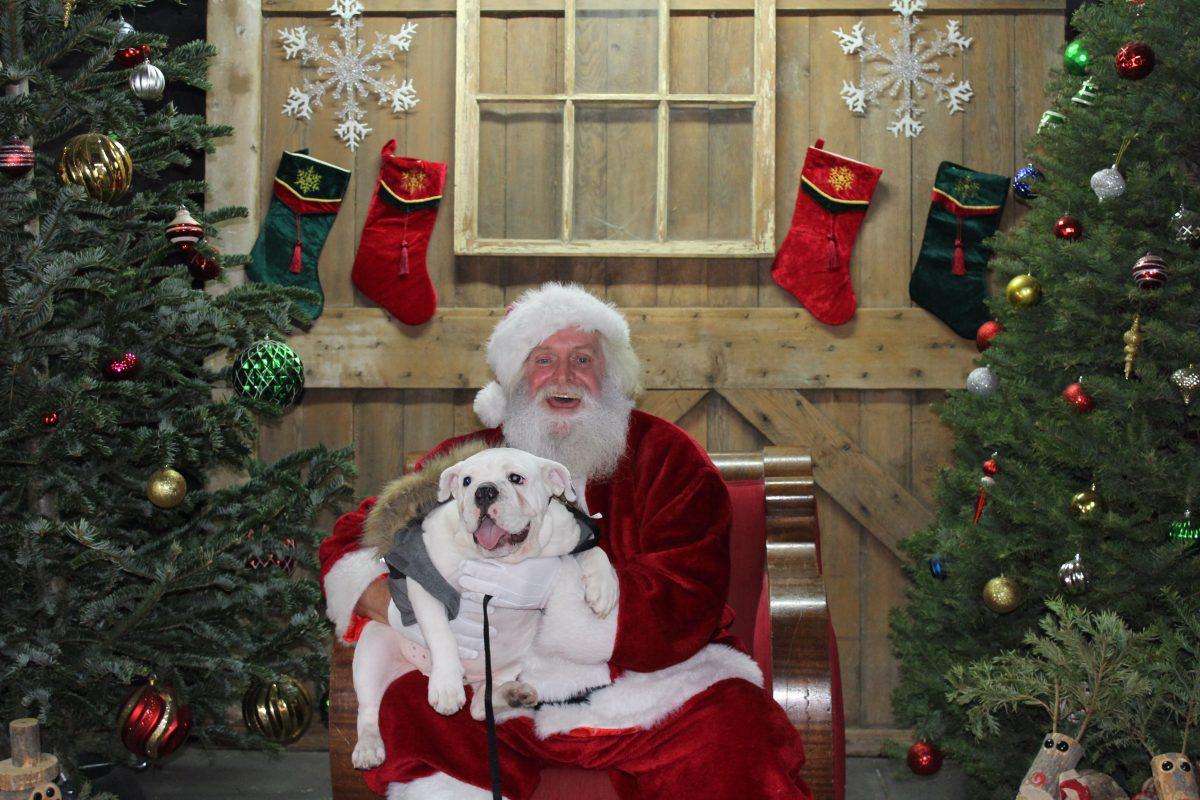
pixel 345 583
pixel 438 786
pixel 542 312
pixel 643 699
pixel 491 406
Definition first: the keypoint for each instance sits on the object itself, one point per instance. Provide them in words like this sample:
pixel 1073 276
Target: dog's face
pixel 503 495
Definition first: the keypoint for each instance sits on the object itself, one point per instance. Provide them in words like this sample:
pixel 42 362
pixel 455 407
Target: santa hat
pixel 540 313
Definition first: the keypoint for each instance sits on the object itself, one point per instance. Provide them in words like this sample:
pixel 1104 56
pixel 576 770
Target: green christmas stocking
pixel 306 198
pixel 950 278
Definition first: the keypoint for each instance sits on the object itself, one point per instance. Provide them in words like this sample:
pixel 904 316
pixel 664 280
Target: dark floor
pixel 194 775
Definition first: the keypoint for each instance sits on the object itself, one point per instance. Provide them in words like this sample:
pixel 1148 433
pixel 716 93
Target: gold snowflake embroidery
pixel 965 188
pixel 841 179
pixel 413 181
pixel 308 180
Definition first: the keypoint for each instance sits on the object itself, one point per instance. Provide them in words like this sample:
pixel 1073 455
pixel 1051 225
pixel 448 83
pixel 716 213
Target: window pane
pixel 616 46
pixel 616 168
pixel 520 170
pixel 520 54
pixel 710 168
pixel 712 53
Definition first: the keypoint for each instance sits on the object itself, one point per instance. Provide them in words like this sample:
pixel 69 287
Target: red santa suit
pixel 704 730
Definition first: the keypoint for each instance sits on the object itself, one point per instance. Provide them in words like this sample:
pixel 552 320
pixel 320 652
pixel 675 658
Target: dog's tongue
pixel 489 534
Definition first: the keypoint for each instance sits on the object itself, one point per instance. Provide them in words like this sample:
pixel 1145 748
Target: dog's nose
pixel 486 494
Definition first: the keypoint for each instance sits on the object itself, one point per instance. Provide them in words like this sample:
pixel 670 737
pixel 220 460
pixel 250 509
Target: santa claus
pixel 686 714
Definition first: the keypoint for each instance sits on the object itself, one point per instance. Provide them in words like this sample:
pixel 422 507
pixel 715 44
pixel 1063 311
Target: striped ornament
pixel 16 157
pixel 184 229
pixel 1150 272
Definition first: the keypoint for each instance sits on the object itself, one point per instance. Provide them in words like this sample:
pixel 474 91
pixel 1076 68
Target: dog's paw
pixel 518 694
pixel 446 693
pixel 478 711
pixel 600 589
pixel 368 752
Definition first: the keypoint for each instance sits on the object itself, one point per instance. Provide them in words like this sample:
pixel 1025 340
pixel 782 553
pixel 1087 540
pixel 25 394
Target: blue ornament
pixel 1024 183
pixel 937 568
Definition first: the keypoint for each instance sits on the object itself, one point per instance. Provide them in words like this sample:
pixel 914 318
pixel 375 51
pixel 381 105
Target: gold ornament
pixel 1086 505
pixel 1133 342
pixel 1001 595
pixel 166 488
pixel 279 711
pixel 1023 291
pixel 99 164
pixel 68 7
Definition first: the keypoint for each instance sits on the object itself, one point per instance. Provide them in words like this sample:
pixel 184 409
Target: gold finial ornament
pixel 1133 343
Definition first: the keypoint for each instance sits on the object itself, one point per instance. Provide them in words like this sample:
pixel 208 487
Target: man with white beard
pixel 686 714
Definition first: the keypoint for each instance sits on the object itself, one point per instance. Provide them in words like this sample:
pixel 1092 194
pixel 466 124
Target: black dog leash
pixel 488 711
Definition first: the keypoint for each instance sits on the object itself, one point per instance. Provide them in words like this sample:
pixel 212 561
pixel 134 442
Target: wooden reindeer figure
pixel 1174 777
pixel 30 773
pixel 1058 753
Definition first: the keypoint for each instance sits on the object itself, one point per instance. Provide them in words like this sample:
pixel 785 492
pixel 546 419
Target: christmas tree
pixel 1085 402
pixel 141 536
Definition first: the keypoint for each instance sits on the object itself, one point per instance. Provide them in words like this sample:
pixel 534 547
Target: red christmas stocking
pixel 813 262
pixel 389 267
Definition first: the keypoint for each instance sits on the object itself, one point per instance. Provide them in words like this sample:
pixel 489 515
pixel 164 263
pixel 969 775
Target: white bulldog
pixel 506 509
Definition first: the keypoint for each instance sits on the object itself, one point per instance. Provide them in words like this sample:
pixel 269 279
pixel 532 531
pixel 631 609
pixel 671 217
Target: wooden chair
pixel 779 598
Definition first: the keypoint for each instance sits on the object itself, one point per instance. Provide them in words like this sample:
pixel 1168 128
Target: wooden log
pixel 29 767
pixel 1058 753
pixel 1174 777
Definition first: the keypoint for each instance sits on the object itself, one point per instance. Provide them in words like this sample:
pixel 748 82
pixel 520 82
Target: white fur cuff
pixel 345 583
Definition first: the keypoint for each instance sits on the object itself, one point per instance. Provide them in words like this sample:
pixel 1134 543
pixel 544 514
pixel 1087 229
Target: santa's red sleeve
pixel 673 566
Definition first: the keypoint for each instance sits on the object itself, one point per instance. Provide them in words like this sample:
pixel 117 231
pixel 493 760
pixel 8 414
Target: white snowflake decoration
pixel 904 71
pixel 348 71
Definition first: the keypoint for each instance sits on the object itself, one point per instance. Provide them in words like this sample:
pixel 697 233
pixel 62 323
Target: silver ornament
pixel 1108 183
pixel 981 382
pixel 1072 576
pixel 1187 380
pixel 147 81
pixel 1186 224
pixel 124 28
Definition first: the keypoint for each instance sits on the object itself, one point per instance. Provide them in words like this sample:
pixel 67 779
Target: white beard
pixel 589 442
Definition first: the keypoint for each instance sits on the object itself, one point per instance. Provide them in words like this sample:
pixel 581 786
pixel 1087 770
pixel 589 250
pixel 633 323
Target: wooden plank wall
pixel 1015 44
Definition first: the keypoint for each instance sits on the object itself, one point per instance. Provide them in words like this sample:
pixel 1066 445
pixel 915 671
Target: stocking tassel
pixel 958 266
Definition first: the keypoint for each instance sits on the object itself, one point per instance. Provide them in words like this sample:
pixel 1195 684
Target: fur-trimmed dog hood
pixel 410 497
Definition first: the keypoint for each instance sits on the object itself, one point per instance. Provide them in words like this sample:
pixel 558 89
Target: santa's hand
pixel 467 628
pixel 524 585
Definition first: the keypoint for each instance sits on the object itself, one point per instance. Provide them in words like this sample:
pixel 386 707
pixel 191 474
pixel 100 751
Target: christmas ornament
pixel 347 69
pixel 307 196
pixel 1186 225
pixel 68 8
pixel 16 157
pixel 987 331
pixel 813 262
pixel 906 68
pixel 1078 397
pixel 1086 95
pixel 1186 379
pixel 1050 119
pixel 1072 577
pixel 184 228
pixel 1024 183
pixel 1068 228
pixel 1108 183
pixel 1086 505
pixel 50 419
pixel 131 56
pixel 937 567
pixel 981 382
pixel 203 267
pixel 1185 528
pixel 1023 291
pixel 279 711
pixel 152 722
pixel 147 82
pixel 1002 595
pixel 1150 272
pixel 1134 60
pixel 166 488
pixel 924 758
pixel 286 562
pixel 269 371
pixel 990 468
pixel 1076 59
pixel 124 367
pixel 1133 342
pixel 100 164
pixel 124 28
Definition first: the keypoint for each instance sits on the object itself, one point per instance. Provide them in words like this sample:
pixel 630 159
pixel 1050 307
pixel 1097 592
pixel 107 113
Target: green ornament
pixel 271 372
pixel 1076 59
pixel 1184 529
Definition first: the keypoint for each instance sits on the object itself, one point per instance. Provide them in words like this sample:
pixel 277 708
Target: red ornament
pixel 131 56
pixel 924 758
pixel 50 419
pixel 1079 398
pixel 152 722
pixel 122 368
pixel 16 157
pixel 203 267
pixel 990 468
pixel 987 331
pixel 1135 60
pixel 1150 271
pixel 184 229
pixel 286 562
pixel 1068 228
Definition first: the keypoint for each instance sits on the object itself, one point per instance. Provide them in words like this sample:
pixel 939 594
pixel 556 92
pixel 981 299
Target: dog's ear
pixel 448 483
pixel 558 478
